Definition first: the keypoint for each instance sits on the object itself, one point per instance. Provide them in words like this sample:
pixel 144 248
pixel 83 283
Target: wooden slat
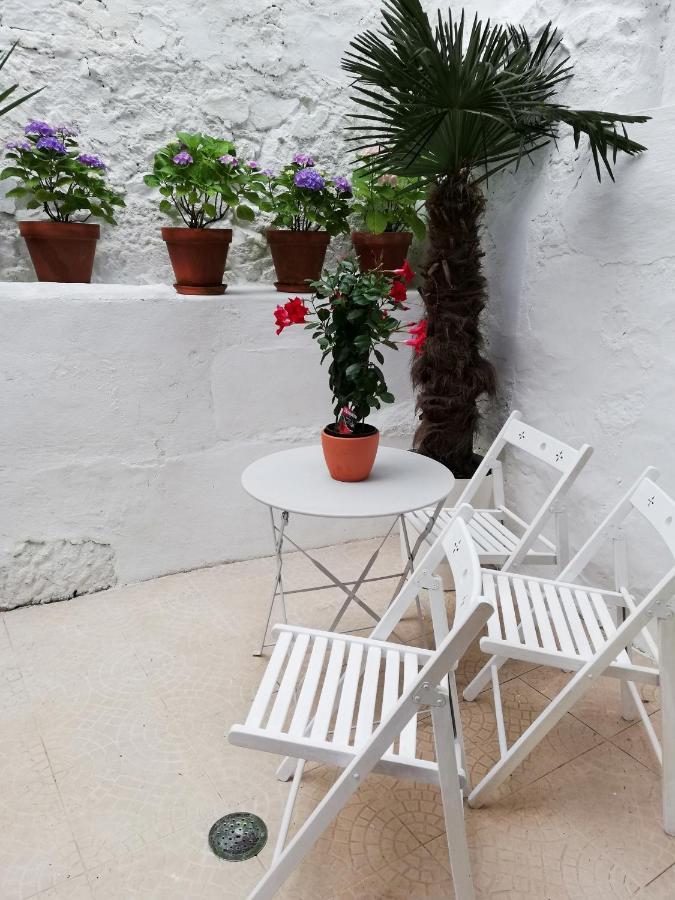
pixel 408 741
pixel 269 681
pixel 480 542
pixel 305 701
pixel 288 683
pixel 574 621
pixel 604 615
pixel 479 532
pixel 494 625
pixel 500 531
pixel 560 624
pixel 508 612
pixel 331 682
pixel 345 716
pixel 390 690
pixel 525 612
pixel 371 677
pixel 541 616
pixel 590 620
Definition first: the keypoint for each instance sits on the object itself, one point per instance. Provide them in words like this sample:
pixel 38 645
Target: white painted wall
pixel 128 415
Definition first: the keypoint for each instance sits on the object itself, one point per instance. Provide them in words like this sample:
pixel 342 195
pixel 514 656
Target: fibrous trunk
pixel 451 374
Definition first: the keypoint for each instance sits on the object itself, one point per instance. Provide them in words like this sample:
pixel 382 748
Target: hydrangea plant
pixel 353 313
pixel 384 202
pixel 202 180
pixel 304 198
pixel 54 174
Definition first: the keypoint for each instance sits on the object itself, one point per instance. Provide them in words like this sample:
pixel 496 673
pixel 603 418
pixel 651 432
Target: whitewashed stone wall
pixel 581 275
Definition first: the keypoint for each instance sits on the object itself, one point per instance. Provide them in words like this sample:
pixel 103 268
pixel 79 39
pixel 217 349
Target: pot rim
pixel 67 229
pixel 392 236
pixel 352 437
pixel 283 234
pixel 184 234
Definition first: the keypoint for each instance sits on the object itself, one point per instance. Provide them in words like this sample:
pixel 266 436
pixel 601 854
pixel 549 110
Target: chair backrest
pixel 462 555
pixel 566 460
pixel 645 497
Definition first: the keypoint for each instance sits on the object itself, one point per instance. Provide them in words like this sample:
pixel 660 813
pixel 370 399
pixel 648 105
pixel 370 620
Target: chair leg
pixel 667 676
pixel 453 809
pixel 473 689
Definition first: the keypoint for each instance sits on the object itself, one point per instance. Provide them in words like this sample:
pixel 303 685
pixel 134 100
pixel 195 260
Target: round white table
pixel 297 482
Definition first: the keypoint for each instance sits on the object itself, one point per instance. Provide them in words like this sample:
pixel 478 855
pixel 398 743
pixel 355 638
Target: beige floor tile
pixel 70 889
pixel 661 888
pixel 634 741
pixel 521 704
pixel 600 707
pixel 178 867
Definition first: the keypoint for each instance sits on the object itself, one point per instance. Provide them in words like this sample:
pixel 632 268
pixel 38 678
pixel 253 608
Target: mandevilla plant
pixel 303 198
pixel 55 175
pixel 352 314
pixel 384 202
pixel 201 180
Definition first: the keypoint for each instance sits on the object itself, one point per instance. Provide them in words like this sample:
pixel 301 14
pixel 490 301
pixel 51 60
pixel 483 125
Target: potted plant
pixel 70 187
pixel 308 207
pixel 202 182
pixel 454 103
pixel 389 208
pixel 351 314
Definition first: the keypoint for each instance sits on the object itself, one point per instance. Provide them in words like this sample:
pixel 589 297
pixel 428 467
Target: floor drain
pixel 238 836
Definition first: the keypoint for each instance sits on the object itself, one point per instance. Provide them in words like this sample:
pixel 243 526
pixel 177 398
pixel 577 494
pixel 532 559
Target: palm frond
pixel 4 56
pixel 466 97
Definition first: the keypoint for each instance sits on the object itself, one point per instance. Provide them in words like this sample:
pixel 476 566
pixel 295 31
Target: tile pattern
pixel 114 762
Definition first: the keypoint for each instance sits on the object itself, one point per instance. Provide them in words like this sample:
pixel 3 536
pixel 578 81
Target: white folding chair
pixel 503 538
pixel 347 684
pixel 569 625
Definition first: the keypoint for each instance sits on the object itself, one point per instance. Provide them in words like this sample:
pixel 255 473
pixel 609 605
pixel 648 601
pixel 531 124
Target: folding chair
pixel 566 624
pixel 349 682
pixel 503 538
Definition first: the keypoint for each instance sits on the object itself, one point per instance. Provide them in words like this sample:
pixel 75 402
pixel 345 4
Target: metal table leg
pixel 278 536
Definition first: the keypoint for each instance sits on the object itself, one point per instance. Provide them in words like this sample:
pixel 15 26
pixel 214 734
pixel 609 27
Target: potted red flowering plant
pixel 351 314
pixel 70 187
pixel 389 208
pixel 309 207
pixel 202 182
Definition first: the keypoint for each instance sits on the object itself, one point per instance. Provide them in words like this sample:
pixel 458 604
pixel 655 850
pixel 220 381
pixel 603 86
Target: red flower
pixel 281 318
pixel 419 338
pixel 405 272
pixel 297 311
pixel 294 312
pixel 398 292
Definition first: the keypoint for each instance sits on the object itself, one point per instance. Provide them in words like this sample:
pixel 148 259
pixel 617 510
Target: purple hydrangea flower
pixel 301 159
pixel 38 127
pixel 19 145
pixel 268 172
pixel 308 178
pixel 51 143
pixel 66 130
pixel 183 158
pixel 228 160
pixel 343 185
pixel 253 164
pixel 92 161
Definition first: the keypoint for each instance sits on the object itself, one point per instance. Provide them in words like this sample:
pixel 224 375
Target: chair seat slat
pixel 288 683
pixel 574 621
pixel 508 612
pixel 366 714
pixel 604 616
pixel 329 689
pixel 408 739
pixel 541 616
pixel 480 533
pixel 497 528
pixel 345 716
pixel 494 626
pixel 560 623
pixel 390 690
pixel 305 701
pixel 268 683
pixel 525 612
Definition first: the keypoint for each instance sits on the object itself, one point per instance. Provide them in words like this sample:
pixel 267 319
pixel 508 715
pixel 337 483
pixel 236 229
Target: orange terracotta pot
pixel 61 251
pixel 350 457
pixel 386 251
pixel 198 257
pixel 298 258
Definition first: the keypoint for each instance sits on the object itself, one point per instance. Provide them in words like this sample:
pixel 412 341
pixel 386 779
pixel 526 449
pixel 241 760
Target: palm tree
pixel 453 105
pixel 4 95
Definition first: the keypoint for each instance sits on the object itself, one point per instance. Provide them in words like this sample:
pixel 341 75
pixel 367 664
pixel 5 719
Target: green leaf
pixel 245 213
pixel 376 222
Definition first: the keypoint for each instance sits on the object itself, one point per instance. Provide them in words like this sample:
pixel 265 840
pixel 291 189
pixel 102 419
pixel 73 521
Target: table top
pixel 297 480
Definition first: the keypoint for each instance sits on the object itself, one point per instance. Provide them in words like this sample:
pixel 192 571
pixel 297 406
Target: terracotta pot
pixel 61 251
pixel 350 457
pixel 198 257
pixel 298 258
pixel 386 251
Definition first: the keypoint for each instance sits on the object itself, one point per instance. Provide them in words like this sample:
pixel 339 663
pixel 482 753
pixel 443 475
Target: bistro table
pixel 297 482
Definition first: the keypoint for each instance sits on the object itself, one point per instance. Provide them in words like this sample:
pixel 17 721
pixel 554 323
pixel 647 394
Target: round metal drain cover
pixel 238 836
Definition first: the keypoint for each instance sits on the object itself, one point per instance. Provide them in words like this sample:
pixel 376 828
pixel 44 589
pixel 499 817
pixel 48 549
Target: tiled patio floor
pixel 114 763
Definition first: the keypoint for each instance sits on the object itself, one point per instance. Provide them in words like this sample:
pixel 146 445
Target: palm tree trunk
pixel 451 374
